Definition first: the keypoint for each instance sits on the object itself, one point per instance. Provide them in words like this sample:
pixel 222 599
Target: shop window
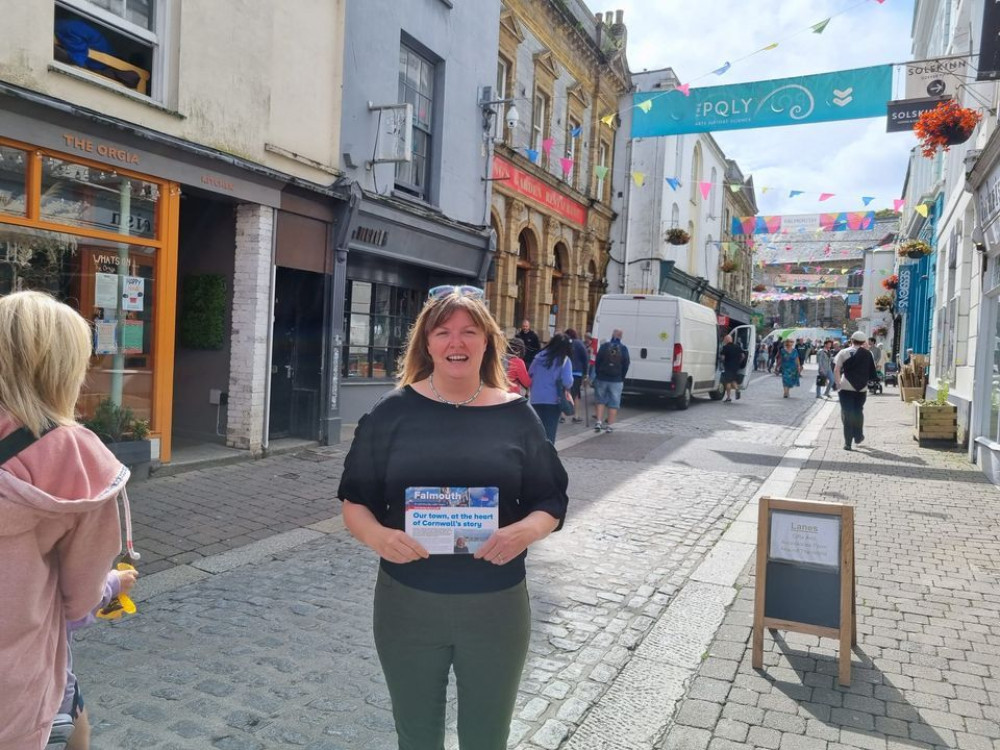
pixel 112 284
pixel 379 317
pixel 416 87
pixel 97 198
pixel 13 170
pixel 116 39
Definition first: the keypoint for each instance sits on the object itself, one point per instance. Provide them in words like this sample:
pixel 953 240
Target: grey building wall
pixel 463 38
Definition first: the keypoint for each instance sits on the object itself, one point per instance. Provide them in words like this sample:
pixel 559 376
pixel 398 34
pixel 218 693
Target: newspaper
pixel 452 520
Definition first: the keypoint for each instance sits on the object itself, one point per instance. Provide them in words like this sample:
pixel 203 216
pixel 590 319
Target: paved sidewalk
pixel 926 671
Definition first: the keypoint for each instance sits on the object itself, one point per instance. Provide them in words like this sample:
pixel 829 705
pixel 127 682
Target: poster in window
pixel 104 336
pixel 106 290
pixel 132 337
pixel 805 538
pixel 132 294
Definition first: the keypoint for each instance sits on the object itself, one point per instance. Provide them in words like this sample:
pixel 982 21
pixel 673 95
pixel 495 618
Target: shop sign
pixel 902 115
pixel 935 78
pixel 854 312
pixel 523 183
pixel 102 149
pixel 903 290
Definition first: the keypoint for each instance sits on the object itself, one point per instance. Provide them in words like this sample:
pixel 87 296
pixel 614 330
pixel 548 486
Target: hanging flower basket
pixel 728 266
pixel 891 282
pixel 880 331
pixel 677 236
pixel 944 126
pixel 883 302
pixel 759 288
pixel 914 249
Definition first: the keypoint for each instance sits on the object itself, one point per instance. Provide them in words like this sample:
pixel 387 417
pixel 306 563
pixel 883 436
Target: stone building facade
pixel 552 175
pixel 739 200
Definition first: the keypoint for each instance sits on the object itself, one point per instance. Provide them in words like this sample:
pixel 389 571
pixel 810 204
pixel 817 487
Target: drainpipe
pixel 270 332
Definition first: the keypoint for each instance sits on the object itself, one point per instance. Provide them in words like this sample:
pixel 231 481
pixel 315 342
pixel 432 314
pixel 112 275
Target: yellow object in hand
pixel 121 604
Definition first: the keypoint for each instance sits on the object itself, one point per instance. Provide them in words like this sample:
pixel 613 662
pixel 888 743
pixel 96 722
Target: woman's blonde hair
pixel 416 363
pixel 44 354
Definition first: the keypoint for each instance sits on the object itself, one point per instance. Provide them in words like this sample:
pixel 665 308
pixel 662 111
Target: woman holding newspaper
pixel 450 455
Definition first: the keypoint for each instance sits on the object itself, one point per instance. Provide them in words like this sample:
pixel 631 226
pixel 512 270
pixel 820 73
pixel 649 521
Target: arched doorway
pixel 497 268
pixel 525 260
pixel 560 293
pixel 594 291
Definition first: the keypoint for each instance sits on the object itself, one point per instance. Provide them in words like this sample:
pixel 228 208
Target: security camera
pixel 512 117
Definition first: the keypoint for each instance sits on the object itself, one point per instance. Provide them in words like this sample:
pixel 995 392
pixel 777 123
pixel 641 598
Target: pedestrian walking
pixel 854 368
pixel 451 424
pixel 790 366
pixel 824 362
pixel 610 366
pixel 732 357
pixel 772 355
pixel 517 371
pixel 760 362
pixel 580 360
pixel 530 339
pixel 551 374
pixel 60 530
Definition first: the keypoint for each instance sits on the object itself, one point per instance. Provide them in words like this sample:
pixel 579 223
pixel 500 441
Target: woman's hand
pixel 399 547
pixel 507 543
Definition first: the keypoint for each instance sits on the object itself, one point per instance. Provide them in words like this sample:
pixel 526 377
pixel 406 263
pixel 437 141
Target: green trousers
pixel 420 636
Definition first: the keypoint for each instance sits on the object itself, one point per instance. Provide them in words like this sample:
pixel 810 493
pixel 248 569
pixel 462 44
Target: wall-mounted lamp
pixel 978 239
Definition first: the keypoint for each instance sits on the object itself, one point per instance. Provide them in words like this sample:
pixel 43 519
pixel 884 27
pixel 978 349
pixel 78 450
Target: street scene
pixel 500 375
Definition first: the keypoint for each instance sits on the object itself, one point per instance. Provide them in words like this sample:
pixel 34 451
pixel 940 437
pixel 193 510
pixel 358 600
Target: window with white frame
pixel 499 122
pixel 117 39
pixel 713 195
pixel 416 87
pixel 602 161
pixel 540 122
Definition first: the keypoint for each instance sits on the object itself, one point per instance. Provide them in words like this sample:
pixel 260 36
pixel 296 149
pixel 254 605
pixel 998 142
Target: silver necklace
pixel 456 404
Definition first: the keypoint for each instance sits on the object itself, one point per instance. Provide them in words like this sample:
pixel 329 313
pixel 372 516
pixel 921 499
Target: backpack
pixel 611 363
pixel 856 369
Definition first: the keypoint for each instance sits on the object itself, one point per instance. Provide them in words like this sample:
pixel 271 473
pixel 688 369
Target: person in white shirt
pixel 853 369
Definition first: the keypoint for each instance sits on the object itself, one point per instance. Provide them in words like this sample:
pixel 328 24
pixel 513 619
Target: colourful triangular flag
pixel 820 27
pixel 825 196
pixel 764 190
pixel 772 45
pixel 722 70
pixel 567 164
pixel 600 171
pixel 639 178
pixel 673 182
pixel 705 188
pixel 575 132
pixel 608 119
pixel 547 145
pixel 793 193
pixel 897 204
pixel 921 209
pixel 685 88
pixel 735 187
pixel 532 154
pixel 646 105
pixel 866 199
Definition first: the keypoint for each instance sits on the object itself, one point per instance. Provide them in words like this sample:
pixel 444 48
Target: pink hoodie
pixel 59 535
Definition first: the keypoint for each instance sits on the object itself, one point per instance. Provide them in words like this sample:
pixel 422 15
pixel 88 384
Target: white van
pixel 673 344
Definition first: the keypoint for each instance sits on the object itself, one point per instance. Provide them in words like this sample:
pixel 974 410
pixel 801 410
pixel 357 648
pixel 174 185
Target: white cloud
pixel 850 159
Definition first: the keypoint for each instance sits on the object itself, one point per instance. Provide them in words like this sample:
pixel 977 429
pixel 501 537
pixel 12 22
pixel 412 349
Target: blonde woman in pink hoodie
pixel 59 525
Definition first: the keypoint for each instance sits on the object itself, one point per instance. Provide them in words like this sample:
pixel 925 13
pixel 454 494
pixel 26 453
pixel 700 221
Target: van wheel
pixel 718 393
pixel 684 401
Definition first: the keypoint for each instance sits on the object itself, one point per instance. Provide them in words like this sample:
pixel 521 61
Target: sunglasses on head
pixel 463 290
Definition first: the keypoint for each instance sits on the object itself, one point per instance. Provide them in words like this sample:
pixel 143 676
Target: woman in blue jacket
pixel 551 371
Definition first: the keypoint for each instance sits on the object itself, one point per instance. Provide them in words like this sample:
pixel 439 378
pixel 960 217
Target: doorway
pixel 296 354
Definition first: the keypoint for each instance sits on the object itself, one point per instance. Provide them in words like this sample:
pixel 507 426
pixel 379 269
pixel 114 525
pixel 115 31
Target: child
pixel 118 582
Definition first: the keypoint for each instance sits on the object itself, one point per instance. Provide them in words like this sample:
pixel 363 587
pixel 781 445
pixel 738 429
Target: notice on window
pixel 106 291
pixel 452 520
pixel 805 538
pixel 105 340
pixel 132 337
pixel 133 293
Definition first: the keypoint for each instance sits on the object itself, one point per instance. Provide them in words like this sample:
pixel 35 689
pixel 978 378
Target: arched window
pixel 713 195
pixel 526 254
pixel 696 174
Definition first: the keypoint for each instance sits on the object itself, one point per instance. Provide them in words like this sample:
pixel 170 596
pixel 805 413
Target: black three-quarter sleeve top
pixel 409 440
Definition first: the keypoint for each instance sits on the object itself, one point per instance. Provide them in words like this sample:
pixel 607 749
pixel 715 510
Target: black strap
pixel 14 443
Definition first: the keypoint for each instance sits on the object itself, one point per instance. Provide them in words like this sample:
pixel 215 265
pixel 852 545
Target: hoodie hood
pixel 68 470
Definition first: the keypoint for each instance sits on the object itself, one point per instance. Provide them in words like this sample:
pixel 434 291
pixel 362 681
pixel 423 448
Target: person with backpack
pixel 580 358
pixel 610 368
pixel 853 369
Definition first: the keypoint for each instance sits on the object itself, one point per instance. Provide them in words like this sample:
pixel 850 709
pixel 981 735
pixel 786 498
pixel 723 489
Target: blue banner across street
pixel 842 95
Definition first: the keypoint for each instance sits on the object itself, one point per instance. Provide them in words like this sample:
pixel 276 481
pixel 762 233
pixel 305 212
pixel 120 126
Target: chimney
pixel 619 14
pixel 608 17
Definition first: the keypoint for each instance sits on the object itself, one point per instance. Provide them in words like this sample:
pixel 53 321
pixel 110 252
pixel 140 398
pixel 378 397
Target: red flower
pixel 944 126
pixel 891 282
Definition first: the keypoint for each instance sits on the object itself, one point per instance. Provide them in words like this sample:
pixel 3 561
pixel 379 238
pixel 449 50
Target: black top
pixel 409 440
pixel 732 357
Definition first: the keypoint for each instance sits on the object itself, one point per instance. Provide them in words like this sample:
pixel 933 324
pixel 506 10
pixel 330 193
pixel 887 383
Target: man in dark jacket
pixel 853 369
pixel 531 343
pixel 611 366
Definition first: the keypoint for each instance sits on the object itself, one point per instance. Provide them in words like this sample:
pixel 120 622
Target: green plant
pixel 202 322
pixel 914 248
pixel 114 423
pixel 941 398
pixel 677 236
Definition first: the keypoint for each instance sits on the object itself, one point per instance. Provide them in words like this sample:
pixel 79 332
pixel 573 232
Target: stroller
pixel 892 374
pixel 875 384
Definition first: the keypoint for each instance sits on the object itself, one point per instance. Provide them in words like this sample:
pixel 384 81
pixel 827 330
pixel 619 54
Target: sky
pixel 850 159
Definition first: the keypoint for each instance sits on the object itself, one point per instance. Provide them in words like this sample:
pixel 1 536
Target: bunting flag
pixel 820 27
pixel 575 132
pixel 646 105
pixel 567 164
pixel 921 209
pixel 722 70
pixel 685 89
pixel 764 190
pixel 532 154
pixel 772 45
pixel 825 196
pixel 547 145
pixel 639 178
pixel 735 187
pixel 674 183
pixel 600 171
pixel 608 119
pixel 705 188
pixel 897 204
pixel 866 199
pixel 794 193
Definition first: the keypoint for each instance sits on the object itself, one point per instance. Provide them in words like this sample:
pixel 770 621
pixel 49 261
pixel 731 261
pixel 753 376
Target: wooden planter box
pixel 911 393
pixel 933 422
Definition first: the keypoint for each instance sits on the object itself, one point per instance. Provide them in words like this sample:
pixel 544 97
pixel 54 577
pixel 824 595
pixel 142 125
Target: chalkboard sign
pixel 805 573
